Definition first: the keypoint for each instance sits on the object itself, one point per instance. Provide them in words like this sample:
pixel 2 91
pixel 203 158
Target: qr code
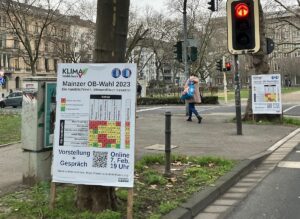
pixel 100 159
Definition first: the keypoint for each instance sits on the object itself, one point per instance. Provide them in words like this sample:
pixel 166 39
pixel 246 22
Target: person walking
pixel 195 99
pixel 139 90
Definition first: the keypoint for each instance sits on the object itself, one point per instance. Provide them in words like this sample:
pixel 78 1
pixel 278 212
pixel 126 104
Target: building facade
pixel 67 39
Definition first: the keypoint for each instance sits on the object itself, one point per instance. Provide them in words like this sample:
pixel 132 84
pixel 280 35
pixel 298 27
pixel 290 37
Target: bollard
pixel 168 143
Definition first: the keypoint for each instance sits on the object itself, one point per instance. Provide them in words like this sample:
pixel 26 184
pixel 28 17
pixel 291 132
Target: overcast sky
pixel 158 5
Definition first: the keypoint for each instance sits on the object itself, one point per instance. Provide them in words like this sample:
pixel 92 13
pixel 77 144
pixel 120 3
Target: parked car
pixel 14 99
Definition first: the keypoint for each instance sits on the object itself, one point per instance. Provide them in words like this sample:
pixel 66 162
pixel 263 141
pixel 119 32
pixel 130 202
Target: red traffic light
pixel 241 10
pixel 228 66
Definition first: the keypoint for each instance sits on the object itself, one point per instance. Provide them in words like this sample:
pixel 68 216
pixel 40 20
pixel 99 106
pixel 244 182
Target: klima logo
pixel 74 73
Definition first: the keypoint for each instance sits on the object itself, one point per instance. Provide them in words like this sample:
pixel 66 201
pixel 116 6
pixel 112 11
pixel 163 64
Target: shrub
pixel 173 100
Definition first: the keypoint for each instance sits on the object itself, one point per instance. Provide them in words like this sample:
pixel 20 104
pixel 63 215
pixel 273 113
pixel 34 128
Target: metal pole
pixel 184 51
pixel 237 96
pixel 224 80
pixel 185 43
pixel 168 143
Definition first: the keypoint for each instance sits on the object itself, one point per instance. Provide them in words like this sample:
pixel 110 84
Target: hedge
pixel 173 100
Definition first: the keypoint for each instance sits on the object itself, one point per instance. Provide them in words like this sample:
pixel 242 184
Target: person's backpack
pixel 189 92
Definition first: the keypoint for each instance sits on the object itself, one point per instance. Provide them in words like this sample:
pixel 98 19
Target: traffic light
pixel 194 53
pixel 212 5
pixel 243 26
pixel 178 51
pixel 227 66
pixel 219 64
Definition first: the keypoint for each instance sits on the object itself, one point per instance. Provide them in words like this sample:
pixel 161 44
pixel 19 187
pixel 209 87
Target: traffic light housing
pixel 219 65
pixel 243 26
pixel 178 51
pixel 212 5
pixel 194 53
pixel 227 66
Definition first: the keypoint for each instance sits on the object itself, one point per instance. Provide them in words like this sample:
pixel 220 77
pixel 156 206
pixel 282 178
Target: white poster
pixel 95 124
pixel 266 94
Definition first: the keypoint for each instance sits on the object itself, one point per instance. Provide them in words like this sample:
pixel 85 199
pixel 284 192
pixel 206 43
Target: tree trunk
pixel 33 69
pixel 110 47
pixel 259 61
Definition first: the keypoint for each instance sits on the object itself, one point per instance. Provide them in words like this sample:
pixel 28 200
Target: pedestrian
pixel 138 90
pixel 195 99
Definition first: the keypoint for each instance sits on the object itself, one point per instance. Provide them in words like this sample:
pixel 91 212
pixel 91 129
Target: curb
pixel 8 144
pixel 202 199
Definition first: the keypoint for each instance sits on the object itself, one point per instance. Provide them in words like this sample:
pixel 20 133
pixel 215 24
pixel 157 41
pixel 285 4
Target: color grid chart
pixel 105 121
pixel 127 125
pixel 63 104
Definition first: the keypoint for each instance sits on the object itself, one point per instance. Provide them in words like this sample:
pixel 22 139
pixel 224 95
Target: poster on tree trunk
pixel 266 94
pixel 94 136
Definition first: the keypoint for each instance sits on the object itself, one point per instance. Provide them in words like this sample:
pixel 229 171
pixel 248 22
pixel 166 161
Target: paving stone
pixel 216 208
pixel 229 202
pixel 207 216
pixel 239 189
pixel 234 195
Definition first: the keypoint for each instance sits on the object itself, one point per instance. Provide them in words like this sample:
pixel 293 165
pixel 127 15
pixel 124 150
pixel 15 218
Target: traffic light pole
pixel 184 50
pixel 224 81
pixel 238 110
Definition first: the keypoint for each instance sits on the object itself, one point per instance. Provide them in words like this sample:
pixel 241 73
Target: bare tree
pixel 111 36
pixel 78 44
pixel 27 22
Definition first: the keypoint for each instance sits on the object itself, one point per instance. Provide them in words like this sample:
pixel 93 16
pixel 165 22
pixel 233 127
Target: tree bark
pixel 259 62
pixel 110 47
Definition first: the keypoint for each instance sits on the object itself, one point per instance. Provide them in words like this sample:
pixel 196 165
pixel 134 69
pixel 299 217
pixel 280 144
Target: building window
pixel 55 65
pixel 36 28
pixel 1 42
pixel 54 31
pixel 2 21
pixel 46 47
pixel 47 65
pixel 16 64
pixel 276 67
pixel 16 43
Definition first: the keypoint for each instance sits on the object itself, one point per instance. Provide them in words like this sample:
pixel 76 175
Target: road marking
pixel 149 109
pixel 289 164
pixel 297 151
pixel 288 109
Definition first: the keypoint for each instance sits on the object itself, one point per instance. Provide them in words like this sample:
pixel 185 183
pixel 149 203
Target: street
pixel 289 109
pixel 277 196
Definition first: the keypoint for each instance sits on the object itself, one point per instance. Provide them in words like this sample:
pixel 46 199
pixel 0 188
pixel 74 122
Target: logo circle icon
pixel 126 73
pixel 116 72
